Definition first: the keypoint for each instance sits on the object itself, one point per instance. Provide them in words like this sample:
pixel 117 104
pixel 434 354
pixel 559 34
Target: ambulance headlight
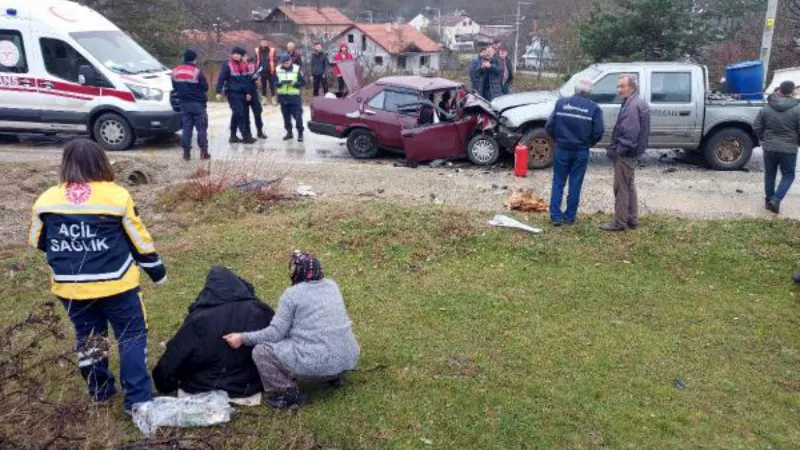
pixel 146 93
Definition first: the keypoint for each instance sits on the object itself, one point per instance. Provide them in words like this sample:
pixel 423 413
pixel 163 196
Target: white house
pixel 395 48
pixel 420 22
pixel 454 27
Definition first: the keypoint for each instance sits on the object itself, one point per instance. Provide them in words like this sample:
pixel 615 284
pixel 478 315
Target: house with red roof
pixel 305 22
pixel 395 48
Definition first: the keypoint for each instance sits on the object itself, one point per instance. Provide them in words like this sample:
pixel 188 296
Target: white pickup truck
pixel 684 113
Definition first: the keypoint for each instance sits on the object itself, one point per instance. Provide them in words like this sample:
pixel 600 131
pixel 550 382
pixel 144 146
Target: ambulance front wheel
pixel 113 132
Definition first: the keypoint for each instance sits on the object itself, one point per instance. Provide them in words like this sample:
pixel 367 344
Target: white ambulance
pixel 66 68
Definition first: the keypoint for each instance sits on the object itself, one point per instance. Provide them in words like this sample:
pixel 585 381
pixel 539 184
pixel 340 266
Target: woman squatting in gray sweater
pixel 310 336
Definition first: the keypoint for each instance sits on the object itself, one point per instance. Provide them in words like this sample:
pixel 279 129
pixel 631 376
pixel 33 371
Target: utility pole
pixel 766 39
pixel 516 39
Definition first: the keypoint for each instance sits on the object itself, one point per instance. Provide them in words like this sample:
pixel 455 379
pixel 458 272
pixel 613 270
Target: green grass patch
pixel 679 335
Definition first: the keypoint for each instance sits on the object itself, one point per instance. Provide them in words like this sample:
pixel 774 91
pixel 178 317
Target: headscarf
pixel 304 267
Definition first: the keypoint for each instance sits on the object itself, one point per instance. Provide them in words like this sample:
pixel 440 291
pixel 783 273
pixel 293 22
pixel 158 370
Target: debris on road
pixel 508 222
pixel 526 201
pixel 304 190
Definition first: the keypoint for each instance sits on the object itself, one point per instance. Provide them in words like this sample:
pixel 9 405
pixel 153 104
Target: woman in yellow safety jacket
pixel 95 244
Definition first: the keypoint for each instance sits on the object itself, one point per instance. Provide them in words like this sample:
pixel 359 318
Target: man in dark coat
pixel 197 359
pixel 628 142
pixel 491 75
pixel 235 80
pixel 191 87
pixel 319 69
pixel 474 76
pixel 778 128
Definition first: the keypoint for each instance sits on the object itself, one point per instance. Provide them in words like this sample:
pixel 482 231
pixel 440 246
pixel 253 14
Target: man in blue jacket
pixel 191 87
pixel 235 79
pixel 576 125
pixel 289 81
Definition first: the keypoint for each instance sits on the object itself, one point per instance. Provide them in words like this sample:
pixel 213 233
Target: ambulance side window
pixel 12 52
pixel 61 60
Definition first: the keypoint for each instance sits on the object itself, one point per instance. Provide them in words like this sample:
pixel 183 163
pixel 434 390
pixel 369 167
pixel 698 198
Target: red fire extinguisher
pixel 521 160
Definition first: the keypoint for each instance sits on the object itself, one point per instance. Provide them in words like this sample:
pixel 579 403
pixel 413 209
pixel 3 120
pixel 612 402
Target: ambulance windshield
pixel 118 52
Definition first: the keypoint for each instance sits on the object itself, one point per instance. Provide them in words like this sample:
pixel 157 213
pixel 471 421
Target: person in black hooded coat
pixel 197 359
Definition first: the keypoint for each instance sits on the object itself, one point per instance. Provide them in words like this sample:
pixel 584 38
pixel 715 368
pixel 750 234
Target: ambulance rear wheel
pixel 113 132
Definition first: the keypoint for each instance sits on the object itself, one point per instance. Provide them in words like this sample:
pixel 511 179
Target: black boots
pixel 204 154
pixel 187 154
pixel 289 136
pixel 245 140
pixel 300 136
pixel 288 399
pixel 261 135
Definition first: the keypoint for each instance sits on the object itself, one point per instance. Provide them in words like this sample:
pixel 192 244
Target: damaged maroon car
pixel 425 118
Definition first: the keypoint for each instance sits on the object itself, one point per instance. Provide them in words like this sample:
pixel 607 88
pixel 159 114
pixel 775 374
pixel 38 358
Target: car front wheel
pixel 483 150
pixel 362 144
pixel 540 148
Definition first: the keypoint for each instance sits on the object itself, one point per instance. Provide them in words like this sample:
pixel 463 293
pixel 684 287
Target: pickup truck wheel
pixel 540 148
pixel 728 149
pixel 362 144
pixel 113 132
pixel 483 150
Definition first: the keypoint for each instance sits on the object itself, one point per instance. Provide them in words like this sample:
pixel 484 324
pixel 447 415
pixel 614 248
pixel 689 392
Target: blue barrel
pixel 745 78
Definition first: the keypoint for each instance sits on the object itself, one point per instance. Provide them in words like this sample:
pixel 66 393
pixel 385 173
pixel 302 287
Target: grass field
pixel 679 335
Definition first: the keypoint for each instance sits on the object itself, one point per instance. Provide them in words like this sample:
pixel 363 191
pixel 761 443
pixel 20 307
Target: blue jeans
pixel 787 163
pixel 193 115
pixel 567 164
pixel 126 314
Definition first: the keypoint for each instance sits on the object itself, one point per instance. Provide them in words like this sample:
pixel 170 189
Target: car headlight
pixel 146 93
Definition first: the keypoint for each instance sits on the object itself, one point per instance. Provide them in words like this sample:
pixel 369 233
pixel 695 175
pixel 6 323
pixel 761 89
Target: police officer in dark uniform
pixel 235 78
pixel 288 81
pixel 254 102
pixel 191 87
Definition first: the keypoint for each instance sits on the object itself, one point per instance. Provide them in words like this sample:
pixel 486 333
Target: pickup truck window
pixel 605 89
pixel 12 52
pixel 671 87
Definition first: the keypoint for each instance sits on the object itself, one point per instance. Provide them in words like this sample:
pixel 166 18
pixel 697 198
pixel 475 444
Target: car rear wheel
pixel 483 150
pixel 540 148
pixel 728 149
pixel 362 144
pixel 113 132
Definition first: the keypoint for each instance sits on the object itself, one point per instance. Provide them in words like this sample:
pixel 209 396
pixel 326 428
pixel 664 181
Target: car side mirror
pixel 87 76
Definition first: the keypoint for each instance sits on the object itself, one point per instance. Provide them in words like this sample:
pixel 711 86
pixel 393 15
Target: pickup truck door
pixel 676 97
pixel 605 94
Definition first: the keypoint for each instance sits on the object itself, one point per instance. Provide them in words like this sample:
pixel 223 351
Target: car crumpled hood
pixel 526 98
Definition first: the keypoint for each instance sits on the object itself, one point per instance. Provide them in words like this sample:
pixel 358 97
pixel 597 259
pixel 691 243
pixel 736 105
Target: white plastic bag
pixel 505 221
pixel 199 410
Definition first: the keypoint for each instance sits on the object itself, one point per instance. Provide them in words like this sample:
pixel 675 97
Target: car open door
pixel 437 141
